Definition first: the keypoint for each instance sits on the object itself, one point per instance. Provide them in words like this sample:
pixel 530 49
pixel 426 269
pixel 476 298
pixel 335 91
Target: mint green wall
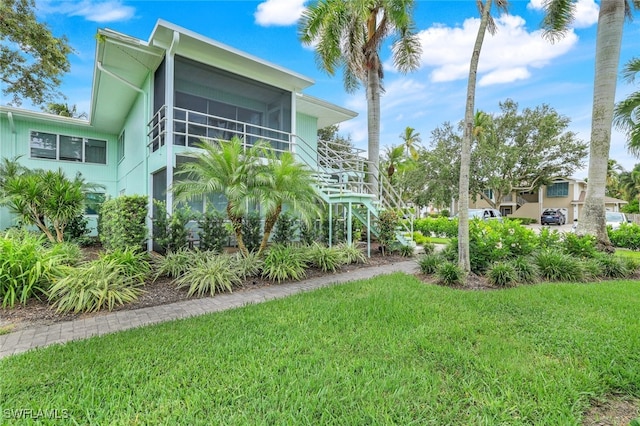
pixel 132 174
pixel 17 144
pixel 307 132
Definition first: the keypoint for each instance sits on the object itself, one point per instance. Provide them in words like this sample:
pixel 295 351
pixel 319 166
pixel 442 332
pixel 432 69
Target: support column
pixel 169 103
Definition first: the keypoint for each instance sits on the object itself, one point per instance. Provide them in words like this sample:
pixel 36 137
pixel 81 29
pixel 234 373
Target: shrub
pixel 95 285
pixel 285 229
pixel 27 267
pixel 351 253
pixel 502 274
pixel 548 238
pixel 252 231
pixel 170 232
pixel 387 223
pixel 612 266
pixel 284 262
pixel 437 227
pixel 419 238
pixel 213 232
pixel 450 251
pixel 555 265
pixel 134 263
pixel 67 253
pixel 627 236
pixel 249 266
pixel 429 263
pixel 450 273
pixel 174 264
pixel 123 222
pixel 308 233
pixel 406 250
pixel 210 274
pixel 325 258
pixel 581 246
pixel 526 270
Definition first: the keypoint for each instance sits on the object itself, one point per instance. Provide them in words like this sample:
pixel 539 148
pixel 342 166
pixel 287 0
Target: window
pixel 121 146
pixel 558 190
pixel 68 148
pixel 92 202
pixel 488 193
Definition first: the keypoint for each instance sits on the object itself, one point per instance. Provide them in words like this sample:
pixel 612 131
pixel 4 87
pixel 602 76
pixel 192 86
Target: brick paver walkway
pixel 36 337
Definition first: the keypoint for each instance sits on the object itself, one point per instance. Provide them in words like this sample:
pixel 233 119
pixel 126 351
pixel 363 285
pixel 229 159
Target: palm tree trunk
pixel 465 154
pixel 269 223
pixel 608 43
pixel 236 224
pixel 373 126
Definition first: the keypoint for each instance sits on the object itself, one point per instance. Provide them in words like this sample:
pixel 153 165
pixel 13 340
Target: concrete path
pixel 37 337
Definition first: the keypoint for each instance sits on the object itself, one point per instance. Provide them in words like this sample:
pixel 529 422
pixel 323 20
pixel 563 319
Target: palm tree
pixel 349 35
pixel 486 23
pixel 630 183
pixel 608 43
pixel 626 114
pixel 394 156
pixel 292 185
pixel 230 169
pixel 613 178
pixel 411 142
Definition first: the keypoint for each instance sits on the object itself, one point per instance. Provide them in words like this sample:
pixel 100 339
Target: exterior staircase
pixel 342 181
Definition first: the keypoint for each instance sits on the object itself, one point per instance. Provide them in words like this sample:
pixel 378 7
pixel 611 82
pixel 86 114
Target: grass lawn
pixel 382 351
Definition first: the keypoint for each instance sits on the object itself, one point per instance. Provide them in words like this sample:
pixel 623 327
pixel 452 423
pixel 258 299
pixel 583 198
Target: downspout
pixel 12 128
pixel 169 104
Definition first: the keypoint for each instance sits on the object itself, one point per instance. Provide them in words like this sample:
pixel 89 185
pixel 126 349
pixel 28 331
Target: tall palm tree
pixel 230 169
pixel 608 43
pixel 394 156
pixel 411 142
pixel 630 183
pixel 486 23
pixel 291 185
pixel 613 178
pixel 626 114
pixel 349 35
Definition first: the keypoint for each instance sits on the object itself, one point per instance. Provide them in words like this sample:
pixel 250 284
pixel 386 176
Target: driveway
pixel 563 228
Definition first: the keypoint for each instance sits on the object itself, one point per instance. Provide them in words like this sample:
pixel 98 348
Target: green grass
pixel 390 350
pixel 439 240
pixel 628 253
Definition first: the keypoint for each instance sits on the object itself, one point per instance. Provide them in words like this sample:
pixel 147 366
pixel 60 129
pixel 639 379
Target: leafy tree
pixel 64 110
pixel 45 197
pixel 350 34
pixel 608 43
pixel 292 185
pixel 230 169
pixel 32 60
pixel 627 111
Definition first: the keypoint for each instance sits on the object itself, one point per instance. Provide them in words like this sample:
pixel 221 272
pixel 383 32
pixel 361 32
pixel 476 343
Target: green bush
pixel 526 270
pixel 548 238
pixel 612 266
pixel 252 231
pixel 437 227
pixel 102 283
pixel 134 263
pixel 627 236
pixel 351 253
pixel 308 233
pixel 429 263
pixel 581 246
pixel 174 264
pixel 285 262
pixel 285 229
pixel 27 267
pixel 325 258
pixel 249 266
pixel 555 265
pixel 387 224
pixel 502 274
pixel 406 250
pixel 450 274
pixel 123 222
pixel 171 232
pixel 213 233
pixel 68 253
pixel 210 274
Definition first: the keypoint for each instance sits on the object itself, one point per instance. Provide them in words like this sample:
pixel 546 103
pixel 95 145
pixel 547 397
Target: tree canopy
pixel 32 60
pixel 516 150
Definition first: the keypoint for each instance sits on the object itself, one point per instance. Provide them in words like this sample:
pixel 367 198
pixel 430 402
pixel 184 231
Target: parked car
pixel 553 216
pixel 485 214
pixel 615 219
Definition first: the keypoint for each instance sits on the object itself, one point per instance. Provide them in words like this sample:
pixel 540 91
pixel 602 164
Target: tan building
pixel 563 193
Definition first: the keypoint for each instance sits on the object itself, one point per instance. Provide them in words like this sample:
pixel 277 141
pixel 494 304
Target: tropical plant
pixel 394 156
pixel 252 232
pixel 627 112
pixel 449 273
pixel 559 14
pixel 411 141
pixel 502 274
pixel 171 232
pixel 387 223
pixel 283 262
pixel 45 197
pixel 327 259
pixel 210 275
pixel 285 228
pixel 95 285
pixel 134 263
pixel 291 185
pixel 350 35
pixel 406 250
pixel 248 266
pixel 429 263
pixel 213 231
pixel 230 169
pixel 351 253
pixel 612 266
pixel 556 265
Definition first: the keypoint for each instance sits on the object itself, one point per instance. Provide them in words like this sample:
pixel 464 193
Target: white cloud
pixel 94 11
pixel 507 56
pixel 586 12
pixel 279 12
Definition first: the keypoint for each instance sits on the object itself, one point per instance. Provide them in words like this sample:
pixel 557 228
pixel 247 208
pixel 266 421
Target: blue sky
pixel 516 63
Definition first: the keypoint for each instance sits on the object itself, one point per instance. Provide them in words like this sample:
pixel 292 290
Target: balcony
pixel 192 127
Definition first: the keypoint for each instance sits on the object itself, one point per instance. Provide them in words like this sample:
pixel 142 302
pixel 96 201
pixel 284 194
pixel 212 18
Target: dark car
pixel 552 216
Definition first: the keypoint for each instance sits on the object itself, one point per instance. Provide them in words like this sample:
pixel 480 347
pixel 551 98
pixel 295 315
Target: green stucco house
pixel 153 99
